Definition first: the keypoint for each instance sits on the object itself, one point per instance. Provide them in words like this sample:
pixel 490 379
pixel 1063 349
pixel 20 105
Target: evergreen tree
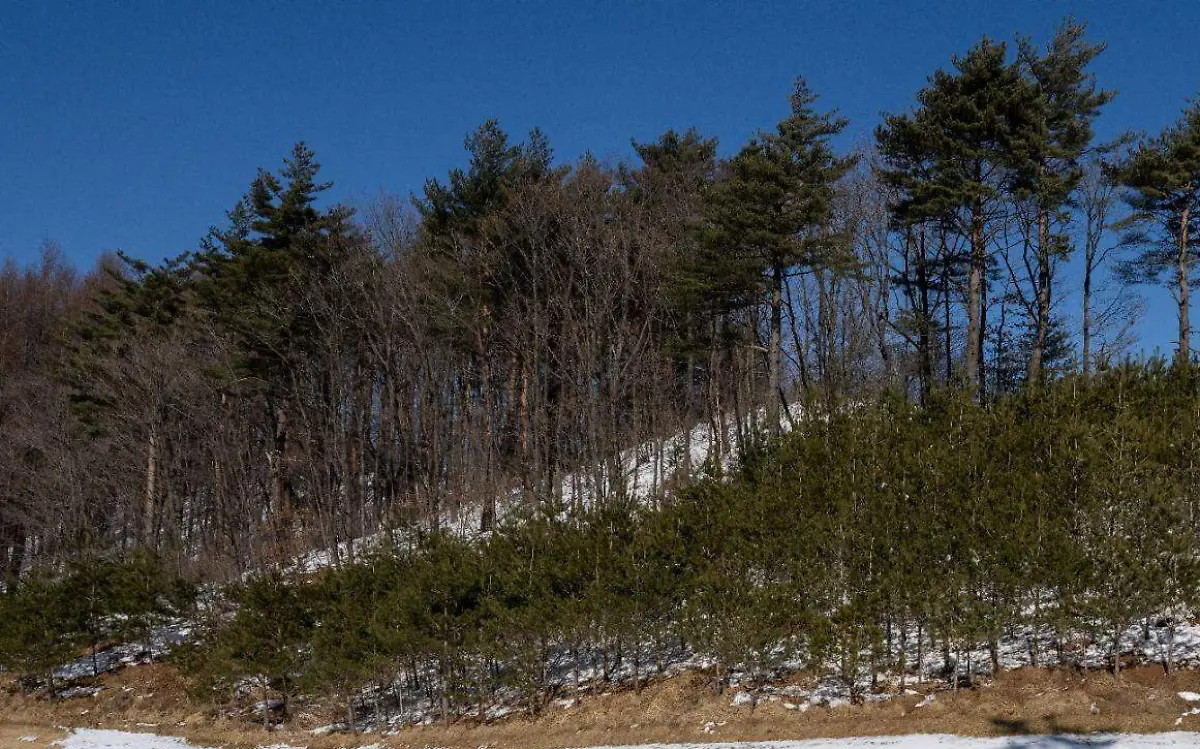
pixel 254 277
pixel 347 650
pixel 1055 140
pixel 675 163
pixel 120 367
pixel 453 217
pixel 1162 181
pixel 267 640
pixel 36 632
pixel 769 218
pixel 954 158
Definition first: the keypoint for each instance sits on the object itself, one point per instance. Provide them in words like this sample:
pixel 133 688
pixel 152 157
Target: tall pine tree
pixel 1055 141
pixel 277 245
pixel 769 218
pixel 1162 181
pixel 964 128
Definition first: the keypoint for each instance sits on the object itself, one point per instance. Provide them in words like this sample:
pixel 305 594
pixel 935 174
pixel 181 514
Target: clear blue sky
pixel 135 125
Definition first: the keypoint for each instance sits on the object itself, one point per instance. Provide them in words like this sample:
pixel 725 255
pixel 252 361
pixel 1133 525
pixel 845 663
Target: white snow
pixel 161 640
pixel 89 738
pixel 645 471
pixel 84 738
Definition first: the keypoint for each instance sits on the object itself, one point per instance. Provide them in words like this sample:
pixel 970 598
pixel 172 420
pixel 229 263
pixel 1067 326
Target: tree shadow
pixel 1013 727
pixel 1058 737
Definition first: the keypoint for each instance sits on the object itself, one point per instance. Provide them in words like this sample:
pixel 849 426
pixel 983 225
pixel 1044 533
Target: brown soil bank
pixel 684 708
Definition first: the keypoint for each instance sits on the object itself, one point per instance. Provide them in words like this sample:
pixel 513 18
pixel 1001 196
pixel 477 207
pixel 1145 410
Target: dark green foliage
pixel 1162 176
pixel 48 621
pixel 457 231
pixel 535 324
pixel 1068 101
pixel 35 634
pixel 452 211
pixel 268 640
pixel 957 149
pixel 253 273
pixel 675 163
pixel 769 211
pixel 951 160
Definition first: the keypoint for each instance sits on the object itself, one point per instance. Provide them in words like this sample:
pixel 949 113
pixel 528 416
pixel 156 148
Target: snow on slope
pixel 644 471
pixel 96 739
pixel 160 641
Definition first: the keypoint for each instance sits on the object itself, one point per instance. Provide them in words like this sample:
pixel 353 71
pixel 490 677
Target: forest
pixel 927 416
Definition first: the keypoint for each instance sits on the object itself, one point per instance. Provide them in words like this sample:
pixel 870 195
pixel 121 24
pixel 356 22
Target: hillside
pixel 785 439
pixel 864 554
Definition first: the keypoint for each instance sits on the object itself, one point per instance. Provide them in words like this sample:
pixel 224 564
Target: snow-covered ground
pixel 95 739
pixel 89 738
pixel 644 471
pixel 160 641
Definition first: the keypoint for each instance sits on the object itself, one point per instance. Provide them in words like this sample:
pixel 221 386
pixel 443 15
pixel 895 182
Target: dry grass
pixel 151 698
pixel 25 736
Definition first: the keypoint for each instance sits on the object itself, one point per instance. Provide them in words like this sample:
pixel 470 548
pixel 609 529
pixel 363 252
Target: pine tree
pixel 1162 181
pixel 254 275
pixel 347 650
pixel 453 217
pixel 677 170
pixel 268 638
pixel 1055 140
pixel 36 634
pixel 961 139
pixel 480 272
pixel 769 218
pixel 926 267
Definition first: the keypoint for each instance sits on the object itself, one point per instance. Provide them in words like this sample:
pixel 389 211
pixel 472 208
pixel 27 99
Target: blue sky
pixel 135 125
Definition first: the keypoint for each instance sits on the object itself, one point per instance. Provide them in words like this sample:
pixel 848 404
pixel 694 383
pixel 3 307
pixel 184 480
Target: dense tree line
pixel 887 538
pixel 502 345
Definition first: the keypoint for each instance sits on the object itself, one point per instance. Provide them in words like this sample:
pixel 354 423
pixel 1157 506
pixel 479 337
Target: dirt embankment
pixel 151 698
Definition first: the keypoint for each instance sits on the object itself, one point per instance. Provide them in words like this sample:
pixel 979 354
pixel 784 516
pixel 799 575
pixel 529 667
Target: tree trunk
pixel 487 516
pixel 1116 650
pixel 924 337
pixel 1169 649
pixel 1087 320
pixel 16 558
pixel 920 651
pixel 775 397
pixel 1183 266
pixel 1042 311
pixel 266 708
pixel 524 408
pixel 946 331
pixel 151 489
pixel 972 357
pixel 278 475
pixel 1035 640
